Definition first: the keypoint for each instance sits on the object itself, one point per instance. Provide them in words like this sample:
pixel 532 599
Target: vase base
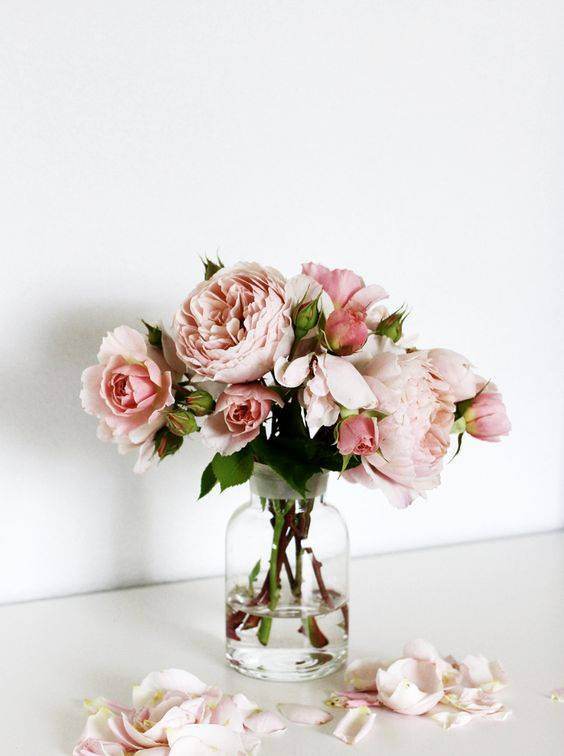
pixel 284 665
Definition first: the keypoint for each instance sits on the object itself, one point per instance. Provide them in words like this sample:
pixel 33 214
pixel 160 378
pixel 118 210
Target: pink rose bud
pixel 486 418
pixel 346 331
pixel 358 434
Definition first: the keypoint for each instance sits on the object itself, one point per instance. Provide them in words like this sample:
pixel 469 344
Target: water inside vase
pixel 295 641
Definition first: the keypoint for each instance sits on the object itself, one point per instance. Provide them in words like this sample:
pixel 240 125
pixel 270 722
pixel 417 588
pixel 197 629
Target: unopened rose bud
pixel 181 422
pixel 392 326
pixel 346 331
pixel 486 417
pixel 166 442
pixel 306 317
pixel 199 402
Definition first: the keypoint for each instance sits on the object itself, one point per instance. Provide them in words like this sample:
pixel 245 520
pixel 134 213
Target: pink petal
pixel 361 673
pixel 264 723
pixel 352 699
pixel 203 739
pixel 355 725
pixel 557 695
pixel 346 384
pixel 292 374
pixel 168 679
pixel 304 714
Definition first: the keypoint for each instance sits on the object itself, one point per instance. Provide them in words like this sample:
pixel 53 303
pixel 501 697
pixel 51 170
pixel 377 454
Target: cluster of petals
pixel 421 682
pixel 173 713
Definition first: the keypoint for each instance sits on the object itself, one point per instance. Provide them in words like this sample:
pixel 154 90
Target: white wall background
pixel 419 143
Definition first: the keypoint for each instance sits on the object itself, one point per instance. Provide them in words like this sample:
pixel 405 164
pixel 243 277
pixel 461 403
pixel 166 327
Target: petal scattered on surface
pixel 304 714
pixel 361 674
pixel 557 695
pixel 355 725
pixel 264 723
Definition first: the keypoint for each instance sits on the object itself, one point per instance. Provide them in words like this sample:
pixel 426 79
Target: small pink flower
pixel 128 390
pixel 358 434
pixel 233 327
pixel 486 418
pixel 239 412
pixel 346 331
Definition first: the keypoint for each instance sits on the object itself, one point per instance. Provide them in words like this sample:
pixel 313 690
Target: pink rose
pixel 233 327
pixel 346 289
pixel 128 390
pixel 239 413
pixel 455 369
pixel 330 383
pixel 346 331
pixel 486 418
pixel 358 434
pixel 415 436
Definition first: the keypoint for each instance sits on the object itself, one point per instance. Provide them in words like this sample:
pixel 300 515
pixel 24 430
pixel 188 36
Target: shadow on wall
pixel 64 436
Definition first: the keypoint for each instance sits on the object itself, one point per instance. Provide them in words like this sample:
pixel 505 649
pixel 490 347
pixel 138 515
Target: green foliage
pixel 208 481
pixel 392 326
pixel 253 576
pixel 234 469
pixel 181 422
pixel 211 268
pixel 166 442
pixel 154 335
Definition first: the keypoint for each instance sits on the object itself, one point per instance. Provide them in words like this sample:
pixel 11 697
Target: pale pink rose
pixel 456 370
pixel 486 418
pixel 414 438
pixel 128 390
pixel 410 686
pixel 346 289
pixel 358 434
pixel 239 413
pixel 330 383
pixel 346 331
pixel 233 327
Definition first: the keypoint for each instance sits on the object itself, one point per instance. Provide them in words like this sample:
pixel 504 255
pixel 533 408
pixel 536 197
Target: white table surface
pixel 503 598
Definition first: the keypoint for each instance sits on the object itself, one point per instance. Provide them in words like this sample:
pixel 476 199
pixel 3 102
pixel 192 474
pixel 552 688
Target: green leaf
pixel 458 446
pixel 293 467
pixel 233 469
pixel 154 335
pixel 208 481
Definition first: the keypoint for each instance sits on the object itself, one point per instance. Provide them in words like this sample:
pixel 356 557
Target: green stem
pixel 274 590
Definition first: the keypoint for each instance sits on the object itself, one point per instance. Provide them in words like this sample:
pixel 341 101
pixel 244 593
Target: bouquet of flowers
pixel 303 375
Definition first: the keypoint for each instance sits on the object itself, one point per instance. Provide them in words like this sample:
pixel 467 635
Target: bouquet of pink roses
pixel 303 375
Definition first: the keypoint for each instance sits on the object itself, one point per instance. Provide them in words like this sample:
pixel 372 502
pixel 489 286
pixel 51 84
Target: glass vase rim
pixel 267 483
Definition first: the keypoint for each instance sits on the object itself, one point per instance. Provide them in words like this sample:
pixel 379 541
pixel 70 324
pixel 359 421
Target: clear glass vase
pixel 286 582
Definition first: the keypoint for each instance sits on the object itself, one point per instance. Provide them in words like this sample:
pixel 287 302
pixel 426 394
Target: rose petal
pixel 168 679
pixel 557 695
pixel 361 673
pixel 203 739
pixel 355 725
pixel 351 699
pixel 304 714
pixel 264 723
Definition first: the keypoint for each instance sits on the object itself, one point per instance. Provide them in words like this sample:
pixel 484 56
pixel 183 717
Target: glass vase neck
pixel 266 484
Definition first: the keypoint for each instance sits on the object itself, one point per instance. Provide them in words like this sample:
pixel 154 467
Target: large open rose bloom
pixel 128 390
pixel 414 436
pixel 233 327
